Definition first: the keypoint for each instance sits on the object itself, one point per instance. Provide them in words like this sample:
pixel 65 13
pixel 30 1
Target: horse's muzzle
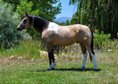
pixel 19 29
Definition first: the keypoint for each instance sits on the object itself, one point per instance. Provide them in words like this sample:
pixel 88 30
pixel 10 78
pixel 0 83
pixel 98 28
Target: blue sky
pixel 67 10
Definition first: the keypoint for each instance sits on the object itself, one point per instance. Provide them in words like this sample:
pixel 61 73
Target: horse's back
pixel 78 33
pixel 78 30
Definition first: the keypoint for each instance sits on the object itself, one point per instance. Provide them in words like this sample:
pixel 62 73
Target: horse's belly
pixel 63 42
pixel 60 38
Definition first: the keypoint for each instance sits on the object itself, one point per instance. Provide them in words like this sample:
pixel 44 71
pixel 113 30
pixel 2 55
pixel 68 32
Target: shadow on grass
pixel 78 69
pixel 69 69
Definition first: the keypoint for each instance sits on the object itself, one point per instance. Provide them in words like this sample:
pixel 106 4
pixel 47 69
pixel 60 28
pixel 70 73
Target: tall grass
pixel 27 49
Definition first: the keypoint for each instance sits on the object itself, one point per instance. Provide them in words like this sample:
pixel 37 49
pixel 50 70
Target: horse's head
pixel 37 22
pixel 25 22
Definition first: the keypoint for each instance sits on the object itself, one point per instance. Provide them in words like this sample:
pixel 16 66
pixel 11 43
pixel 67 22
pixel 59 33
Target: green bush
pixel 8 22
pixel 101 40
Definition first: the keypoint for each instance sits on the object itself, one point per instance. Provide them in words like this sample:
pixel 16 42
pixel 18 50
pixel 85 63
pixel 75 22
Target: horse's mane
pixel 38 22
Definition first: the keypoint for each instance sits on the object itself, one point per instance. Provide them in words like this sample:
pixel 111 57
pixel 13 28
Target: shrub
pixel 101 40
pixel 8 23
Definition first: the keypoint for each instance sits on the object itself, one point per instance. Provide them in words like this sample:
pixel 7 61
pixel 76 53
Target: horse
pixel 53 35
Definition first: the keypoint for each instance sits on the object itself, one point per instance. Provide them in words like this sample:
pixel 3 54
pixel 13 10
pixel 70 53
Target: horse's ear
pixel 26 15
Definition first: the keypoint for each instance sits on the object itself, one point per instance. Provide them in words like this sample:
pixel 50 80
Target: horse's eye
pixel 24 21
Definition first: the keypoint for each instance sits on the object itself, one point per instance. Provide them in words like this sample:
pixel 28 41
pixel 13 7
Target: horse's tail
pixel 92 44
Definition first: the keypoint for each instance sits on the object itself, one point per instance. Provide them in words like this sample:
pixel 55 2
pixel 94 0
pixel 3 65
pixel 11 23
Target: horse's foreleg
pixel 51 59
pixel 84 61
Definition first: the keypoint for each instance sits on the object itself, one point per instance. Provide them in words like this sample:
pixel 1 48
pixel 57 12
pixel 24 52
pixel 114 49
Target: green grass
pixel 35 72
pixel 27 71
pixel 27 49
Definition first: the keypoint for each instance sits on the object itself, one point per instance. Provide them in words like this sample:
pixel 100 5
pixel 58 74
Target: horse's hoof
pixel 51 68
pixel 82 69
pixel 96 69
pixel 48 69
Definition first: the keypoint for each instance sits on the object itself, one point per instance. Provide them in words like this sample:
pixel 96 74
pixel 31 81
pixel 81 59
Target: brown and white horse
pixel 55 35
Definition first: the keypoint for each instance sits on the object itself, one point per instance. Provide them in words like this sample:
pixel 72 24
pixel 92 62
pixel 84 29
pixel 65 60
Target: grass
pixel 28 71
pixel 27 49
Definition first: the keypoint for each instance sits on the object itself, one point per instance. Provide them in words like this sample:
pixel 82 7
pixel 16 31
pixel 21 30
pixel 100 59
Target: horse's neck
pixel 40 24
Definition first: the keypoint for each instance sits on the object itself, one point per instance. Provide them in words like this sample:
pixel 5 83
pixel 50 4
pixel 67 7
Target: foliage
pixel 67 22
pixel 13 2
pixel 24 50
pixel 26 7
pixel 75 19
pixel 46 9
pixel 8 23
pixel 101 41
pixel 100 14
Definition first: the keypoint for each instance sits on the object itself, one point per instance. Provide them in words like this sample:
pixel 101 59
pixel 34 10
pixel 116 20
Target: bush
pixel 8 23
pixel 101 40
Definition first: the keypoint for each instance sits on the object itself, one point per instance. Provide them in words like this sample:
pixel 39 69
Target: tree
pixel 67 22
pixel 8 23
pixel 26 7
pixel 100 14
pixel 75 19
pixel 44 8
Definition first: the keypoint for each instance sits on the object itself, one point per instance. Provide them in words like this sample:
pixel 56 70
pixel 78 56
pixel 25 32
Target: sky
pixel 67 10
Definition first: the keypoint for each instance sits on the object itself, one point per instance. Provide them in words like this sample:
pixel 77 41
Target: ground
pixel 20 70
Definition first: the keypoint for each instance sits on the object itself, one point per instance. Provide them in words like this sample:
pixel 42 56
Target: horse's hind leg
pixel 84 56
pixel 93 59
pixel 51 58
pixel 91 52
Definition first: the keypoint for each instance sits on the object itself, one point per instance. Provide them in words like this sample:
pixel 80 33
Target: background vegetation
pixel 8 23
pixel 98 14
